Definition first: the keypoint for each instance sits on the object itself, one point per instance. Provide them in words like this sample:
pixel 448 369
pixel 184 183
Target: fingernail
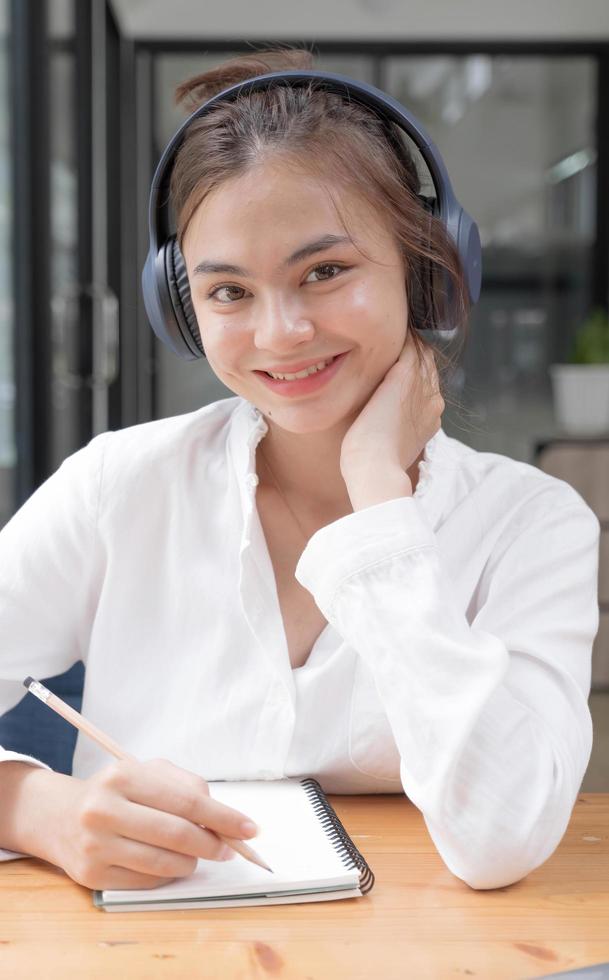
pixel 227 854
pixel 248 827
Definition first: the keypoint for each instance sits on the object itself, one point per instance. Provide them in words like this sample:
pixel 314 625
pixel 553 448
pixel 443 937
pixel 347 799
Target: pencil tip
pixel 28 681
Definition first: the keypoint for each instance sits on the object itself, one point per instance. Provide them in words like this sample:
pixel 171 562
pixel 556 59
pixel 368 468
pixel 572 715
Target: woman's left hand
pixel 398 420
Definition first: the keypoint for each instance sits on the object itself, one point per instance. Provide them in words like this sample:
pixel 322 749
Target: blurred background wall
pixel 515 95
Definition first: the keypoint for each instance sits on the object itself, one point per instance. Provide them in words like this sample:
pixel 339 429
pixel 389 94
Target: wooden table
pixel 419 921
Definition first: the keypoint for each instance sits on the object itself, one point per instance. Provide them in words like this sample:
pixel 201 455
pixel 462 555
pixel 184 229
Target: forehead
pixel 276 197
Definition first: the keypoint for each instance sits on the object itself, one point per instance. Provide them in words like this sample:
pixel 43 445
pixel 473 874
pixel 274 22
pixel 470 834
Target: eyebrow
pixel 319 245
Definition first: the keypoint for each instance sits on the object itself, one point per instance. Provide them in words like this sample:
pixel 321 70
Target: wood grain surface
pixel 419 920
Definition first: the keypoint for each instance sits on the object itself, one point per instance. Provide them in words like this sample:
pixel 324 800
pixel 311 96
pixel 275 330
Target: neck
pixel 307 468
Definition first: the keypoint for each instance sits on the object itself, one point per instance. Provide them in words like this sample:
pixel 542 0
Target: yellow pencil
pixel 52 701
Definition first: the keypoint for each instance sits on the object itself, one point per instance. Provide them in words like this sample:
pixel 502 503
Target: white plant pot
pixel 581 398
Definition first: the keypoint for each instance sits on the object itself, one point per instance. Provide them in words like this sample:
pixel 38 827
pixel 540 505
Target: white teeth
pixel 302 374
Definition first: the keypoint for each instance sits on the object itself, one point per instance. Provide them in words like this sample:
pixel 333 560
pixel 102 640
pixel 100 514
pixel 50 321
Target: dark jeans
pixel 32 728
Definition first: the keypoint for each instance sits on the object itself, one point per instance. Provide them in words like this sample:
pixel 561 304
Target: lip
pixel 295 368
pixel 302 386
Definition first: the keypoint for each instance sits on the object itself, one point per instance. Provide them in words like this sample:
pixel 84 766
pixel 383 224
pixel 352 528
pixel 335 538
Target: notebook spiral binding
pixel 346 849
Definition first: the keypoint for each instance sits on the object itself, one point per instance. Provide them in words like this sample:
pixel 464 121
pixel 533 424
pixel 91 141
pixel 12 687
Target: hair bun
pixel 196 90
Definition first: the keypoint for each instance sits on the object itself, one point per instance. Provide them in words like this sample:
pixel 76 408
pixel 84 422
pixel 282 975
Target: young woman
pixel 309 578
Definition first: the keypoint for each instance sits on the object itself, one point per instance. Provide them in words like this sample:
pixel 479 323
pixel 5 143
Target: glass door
pixel 60 370
pixel 8 449
pixel 83 159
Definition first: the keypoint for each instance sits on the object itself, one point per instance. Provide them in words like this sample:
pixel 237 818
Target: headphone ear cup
pixel 179 291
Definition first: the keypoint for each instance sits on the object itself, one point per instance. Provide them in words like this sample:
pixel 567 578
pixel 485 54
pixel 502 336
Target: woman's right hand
pixel 137 825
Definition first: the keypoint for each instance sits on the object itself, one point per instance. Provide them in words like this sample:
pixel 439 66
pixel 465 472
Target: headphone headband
pixel 177 326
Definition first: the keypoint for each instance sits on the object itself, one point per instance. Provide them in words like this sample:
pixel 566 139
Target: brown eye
pixel 215 293
pixel 324 269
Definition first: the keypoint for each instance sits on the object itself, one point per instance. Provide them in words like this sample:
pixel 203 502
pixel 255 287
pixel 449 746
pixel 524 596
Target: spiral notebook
pixel 301 838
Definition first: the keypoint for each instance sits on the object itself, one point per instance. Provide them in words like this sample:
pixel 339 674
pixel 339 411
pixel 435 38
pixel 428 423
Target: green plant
pixel 591 344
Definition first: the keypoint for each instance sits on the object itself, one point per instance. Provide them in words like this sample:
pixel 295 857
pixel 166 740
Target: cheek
pixel 223 338
pixel 379 312
pixel 363 300
pixel 222 356
pixel 382 301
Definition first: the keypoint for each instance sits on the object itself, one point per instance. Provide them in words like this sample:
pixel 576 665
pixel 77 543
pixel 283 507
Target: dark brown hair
pixel 325 134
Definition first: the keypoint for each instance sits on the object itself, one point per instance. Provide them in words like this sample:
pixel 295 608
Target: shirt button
pixel 251 481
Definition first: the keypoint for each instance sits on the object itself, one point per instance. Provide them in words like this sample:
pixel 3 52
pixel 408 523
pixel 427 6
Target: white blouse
pixel 455 666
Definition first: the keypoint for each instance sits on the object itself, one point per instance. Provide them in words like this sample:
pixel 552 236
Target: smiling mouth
pixel 298 375
pixel 305 382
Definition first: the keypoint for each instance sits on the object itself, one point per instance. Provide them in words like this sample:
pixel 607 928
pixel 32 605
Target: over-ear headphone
pixel 164 278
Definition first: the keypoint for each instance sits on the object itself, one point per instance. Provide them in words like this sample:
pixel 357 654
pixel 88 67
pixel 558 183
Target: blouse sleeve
pixel 489 713
pixel 49 563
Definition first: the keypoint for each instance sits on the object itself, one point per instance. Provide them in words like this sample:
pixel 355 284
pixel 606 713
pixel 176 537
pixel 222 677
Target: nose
pixel 281 326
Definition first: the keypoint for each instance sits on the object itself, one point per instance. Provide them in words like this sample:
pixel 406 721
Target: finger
pixel 160 785
pixel 163 830
pixel 113 877
pixel 145 859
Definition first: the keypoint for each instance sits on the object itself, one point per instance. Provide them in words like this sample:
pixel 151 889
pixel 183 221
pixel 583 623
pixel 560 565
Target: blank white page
pixel 292 841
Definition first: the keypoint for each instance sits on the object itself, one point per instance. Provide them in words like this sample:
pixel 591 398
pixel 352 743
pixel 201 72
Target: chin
pixel 298 420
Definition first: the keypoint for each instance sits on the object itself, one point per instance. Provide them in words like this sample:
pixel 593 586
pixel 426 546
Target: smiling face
pixel 277 285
